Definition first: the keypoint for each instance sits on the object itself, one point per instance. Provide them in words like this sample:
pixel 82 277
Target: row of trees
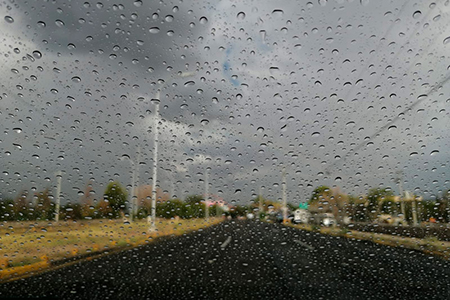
pixel 377 201
pixel 114 204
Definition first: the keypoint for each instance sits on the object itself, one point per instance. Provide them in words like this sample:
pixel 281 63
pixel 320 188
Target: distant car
pixel 328 220
pixel 301 216
pixel 279 218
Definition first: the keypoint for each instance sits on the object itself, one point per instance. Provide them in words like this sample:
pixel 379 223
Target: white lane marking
pixel 304 245
pixel 228 240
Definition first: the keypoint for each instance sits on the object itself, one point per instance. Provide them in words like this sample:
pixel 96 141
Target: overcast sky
pixel 291 83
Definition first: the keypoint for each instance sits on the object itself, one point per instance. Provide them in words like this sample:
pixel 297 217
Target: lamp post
pixel 58 194
pixel 157 100
pixel 134 171
pixel 284 198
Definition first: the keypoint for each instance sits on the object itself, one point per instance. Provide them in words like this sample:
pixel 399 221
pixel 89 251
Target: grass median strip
pixel 28 247
pixel 429 245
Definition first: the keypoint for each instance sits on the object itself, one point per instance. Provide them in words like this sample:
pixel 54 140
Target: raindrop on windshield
pixel 9 19
pixel 241 15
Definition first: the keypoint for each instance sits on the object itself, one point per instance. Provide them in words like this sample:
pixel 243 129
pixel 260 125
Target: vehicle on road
pixel 325 219
pixel 301 216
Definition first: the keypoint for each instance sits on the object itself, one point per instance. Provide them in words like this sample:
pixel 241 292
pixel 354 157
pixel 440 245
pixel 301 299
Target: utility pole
pixel 155 163
pixel 260 201
pixel 414 211
pixel 206 195
pixel 400 187
pixel 155 151
pixel 58 194
pixel 284 195
pixel 136 186
pixel 131 197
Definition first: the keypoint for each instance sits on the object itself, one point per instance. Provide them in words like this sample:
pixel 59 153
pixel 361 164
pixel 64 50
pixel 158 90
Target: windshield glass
pixel 224 149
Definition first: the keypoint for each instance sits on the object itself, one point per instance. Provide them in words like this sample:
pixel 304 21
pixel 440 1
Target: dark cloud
pixel 273 84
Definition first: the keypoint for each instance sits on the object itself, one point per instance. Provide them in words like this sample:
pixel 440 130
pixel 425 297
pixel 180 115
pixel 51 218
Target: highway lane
pixel 247 260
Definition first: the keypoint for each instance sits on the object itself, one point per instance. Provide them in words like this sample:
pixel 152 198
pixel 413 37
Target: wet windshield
pixel 224 149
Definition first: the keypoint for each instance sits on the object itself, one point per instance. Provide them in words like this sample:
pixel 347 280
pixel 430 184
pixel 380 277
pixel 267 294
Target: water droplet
pixel 59 23
pixel 315 134
pixel 37 54
pixel 41 24
pixel 364 2
pixel 154 30
pixel 17 130
pixel 204 122
pixel 203 20
pixel 137 3
pixel 260 129
pixel 434 152
pixel 189 83
pixel 76 79
pixel 277 13
pixel 323 2
pixel 447 40
pixel 241 15
pixel 274 70
pixel 392 127
pixel 412 154
pixel 9 19
pixel 168 18
pixel 417 14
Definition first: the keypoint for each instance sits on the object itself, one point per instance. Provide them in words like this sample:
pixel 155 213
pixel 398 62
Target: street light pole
pixel 402 202
pixel 58 194
pixel 206 195
pixel 260 201
pixel 155 152
pixel 136 186
pixel 284 198
pixel 155 163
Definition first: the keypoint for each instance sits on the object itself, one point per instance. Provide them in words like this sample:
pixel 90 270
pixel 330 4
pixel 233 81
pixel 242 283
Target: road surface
pixel 247 260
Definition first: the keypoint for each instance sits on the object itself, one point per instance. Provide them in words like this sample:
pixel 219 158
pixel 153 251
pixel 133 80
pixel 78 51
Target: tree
pixel 22 209
pixel 116 197
pixel 44 208
pixel 71 212
pixel 87 202
pixel 7 210
pixel 194 199
pixel 319 192
pixel 376 198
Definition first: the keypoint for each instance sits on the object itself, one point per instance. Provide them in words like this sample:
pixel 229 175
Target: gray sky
pixel 293 83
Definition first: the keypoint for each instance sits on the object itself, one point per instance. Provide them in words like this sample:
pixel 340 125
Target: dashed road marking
pixel 304 245
pixel 227 241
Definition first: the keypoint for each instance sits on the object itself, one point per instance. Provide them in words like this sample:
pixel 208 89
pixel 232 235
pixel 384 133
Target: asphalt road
pixel 247 260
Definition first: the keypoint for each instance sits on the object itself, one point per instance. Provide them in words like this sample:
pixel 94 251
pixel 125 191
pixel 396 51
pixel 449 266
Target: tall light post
pixel 134 171
pixel 400 187
pixel 284 197
pixel 155 151
pixel 58 194
pixel 206 195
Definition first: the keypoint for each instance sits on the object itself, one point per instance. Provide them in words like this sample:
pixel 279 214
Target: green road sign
pixel 303 205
